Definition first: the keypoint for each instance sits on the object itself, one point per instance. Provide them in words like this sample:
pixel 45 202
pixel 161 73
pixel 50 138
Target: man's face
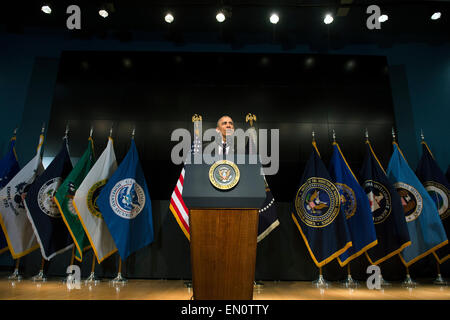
pixel 225 126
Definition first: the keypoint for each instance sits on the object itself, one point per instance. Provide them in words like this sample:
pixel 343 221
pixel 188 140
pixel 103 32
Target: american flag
pixel 177 205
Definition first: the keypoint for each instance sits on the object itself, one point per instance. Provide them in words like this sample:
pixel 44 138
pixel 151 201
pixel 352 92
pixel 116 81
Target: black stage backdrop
pixel 157 92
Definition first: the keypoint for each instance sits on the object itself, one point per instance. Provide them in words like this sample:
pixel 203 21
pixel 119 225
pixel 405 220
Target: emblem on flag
pixel 127 198
pixel 70 194
pixel 92 197
pixel 379 199
pixel 411 200
pixel 317 202
pixel 45 197
pixel 348 199
pixel 224 174
pixel 440 196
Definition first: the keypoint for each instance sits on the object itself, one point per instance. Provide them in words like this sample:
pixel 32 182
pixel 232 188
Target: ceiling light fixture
pixel 46 9
pixel 103 13
pixel 436 16
pixel 383 18
pixel 274 18
pixel 328 19
pixel 169 18
pixel 220 17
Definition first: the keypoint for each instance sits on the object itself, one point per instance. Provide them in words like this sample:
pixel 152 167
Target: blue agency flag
pixel 438 187
pixel 43 213
pixel 316 212
pixel 424 224
pixel 387 210
pixel 355 207
pixel 126 206
pixel 8 169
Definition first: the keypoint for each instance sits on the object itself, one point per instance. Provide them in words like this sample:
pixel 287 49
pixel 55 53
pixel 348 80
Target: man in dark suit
pixel 225 126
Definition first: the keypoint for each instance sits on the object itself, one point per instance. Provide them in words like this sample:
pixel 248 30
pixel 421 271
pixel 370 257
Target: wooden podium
pixel 223 231
pixel 223 253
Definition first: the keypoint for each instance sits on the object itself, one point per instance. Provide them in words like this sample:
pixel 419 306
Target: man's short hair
pixel 223 117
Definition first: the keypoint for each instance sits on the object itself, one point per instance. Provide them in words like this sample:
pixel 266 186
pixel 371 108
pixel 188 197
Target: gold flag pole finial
pixel 422 137
pixel 43 128
pixel 393 134
pixel 366 134
pixel 250 118
pixel 313 136
pixel 132 133
pixel 15 131
pixel 334 136
pixel 196 118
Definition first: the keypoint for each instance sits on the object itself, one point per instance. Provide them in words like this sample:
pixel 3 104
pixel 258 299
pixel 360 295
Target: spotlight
pixel 169 18
pixel 328 19
pixel 436 16
pixel 274 18
pixel 46 9
pixel 223 14
pixel 103 13
pixel 106 9
pixel 383 18
pixel 220 17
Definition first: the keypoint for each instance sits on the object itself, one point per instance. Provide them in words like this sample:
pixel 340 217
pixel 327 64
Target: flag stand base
pixel 92 280
pixel 40 277
pixel 349 282
pixel 15 276
pixel 320 282
pixel 440 281
pixel 384 283
pixel 119 280
pixel 408 282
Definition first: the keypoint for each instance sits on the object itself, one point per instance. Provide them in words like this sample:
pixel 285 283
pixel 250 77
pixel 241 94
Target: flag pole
pixel 40 276
pixel 408 282
pixel 119 279
pixel 439 280
pixel 92 279
pixel 320 282
pixel 15 275
pixel 349 282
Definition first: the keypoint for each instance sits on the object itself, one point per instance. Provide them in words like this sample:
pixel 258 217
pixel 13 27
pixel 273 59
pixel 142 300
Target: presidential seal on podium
pixel 224 174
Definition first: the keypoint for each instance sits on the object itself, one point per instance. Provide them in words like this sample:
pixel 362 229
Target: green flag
pixel 64 199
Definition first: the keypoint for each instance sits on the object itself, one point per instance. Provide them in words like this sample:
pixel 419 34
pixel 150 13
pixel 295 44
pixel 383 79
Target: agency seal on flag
pixel 92 197
pixel 411 201
pixel 224 174
pixel 348 199
pixel 70 194
pixel 127 198
pixel 45 198
pixel 379 199
pixel 317 202
pixel 440 196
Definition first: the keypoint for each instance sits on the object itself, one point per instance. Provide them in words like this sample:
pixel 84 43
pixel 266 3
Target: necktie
pixel 224 148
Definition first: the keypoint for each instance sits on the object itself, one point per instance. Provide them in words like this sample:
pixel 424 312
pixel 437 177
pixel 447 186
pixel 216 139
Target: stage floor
pixel 55 289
